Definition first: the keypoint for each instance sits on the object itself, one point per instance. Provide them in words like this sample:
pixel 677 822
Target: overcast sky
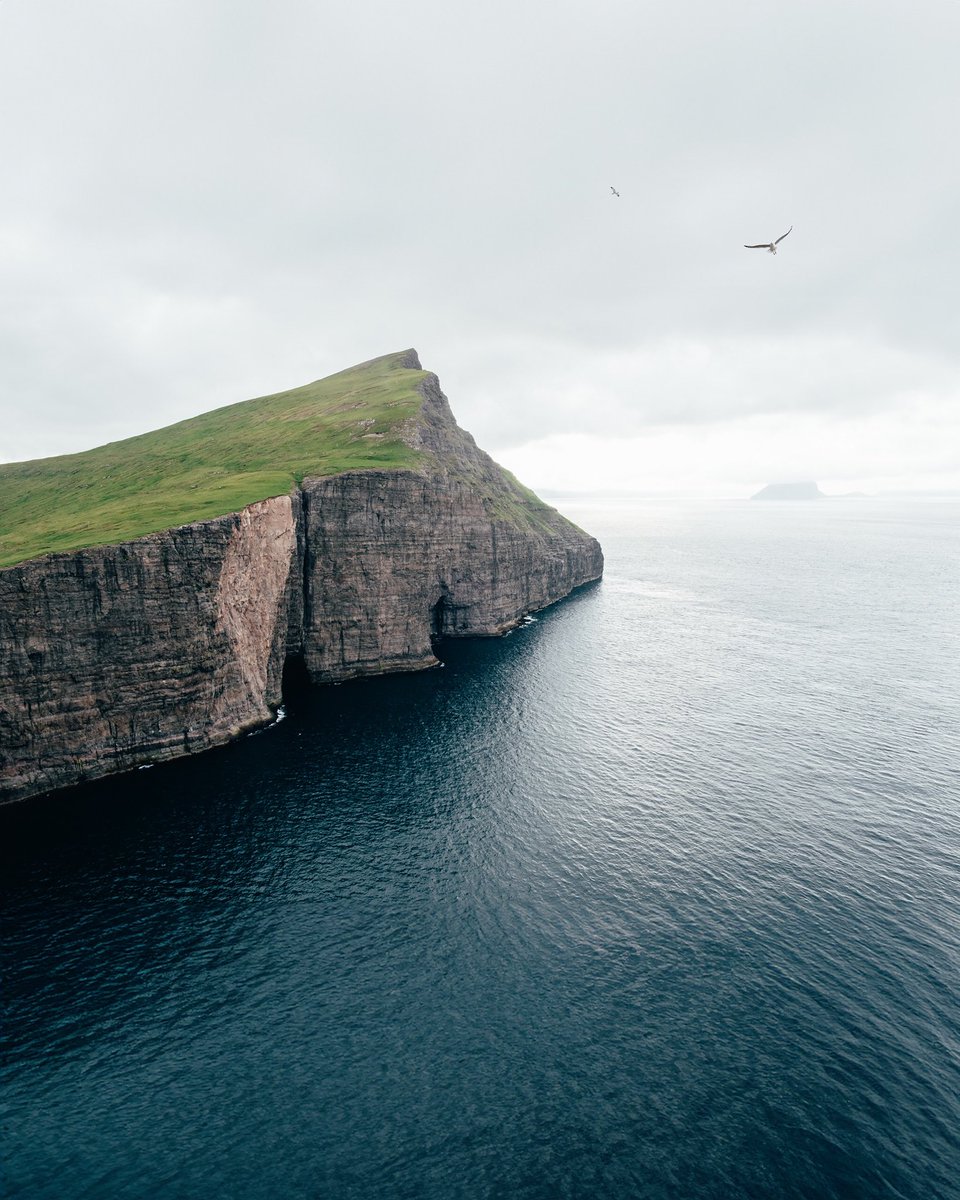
pixel 203 201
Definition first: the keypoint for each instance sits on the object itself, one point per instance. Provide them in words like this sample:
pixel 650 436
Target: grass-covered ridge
pixel 212 464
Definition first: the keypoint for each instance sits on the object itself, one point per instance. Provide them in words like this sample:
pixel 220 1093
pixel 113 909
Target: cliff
pixel 114 656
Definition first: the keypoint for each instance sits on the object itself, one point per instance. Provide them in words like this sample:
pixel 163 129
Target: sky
pixel 206 202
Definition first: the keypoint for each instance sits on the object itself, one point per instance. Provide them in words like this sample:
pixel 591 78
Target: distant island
pixel 789 491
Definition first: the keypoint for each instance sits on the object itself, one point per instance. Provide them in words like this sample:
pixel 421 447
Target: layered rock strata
pixel 118 656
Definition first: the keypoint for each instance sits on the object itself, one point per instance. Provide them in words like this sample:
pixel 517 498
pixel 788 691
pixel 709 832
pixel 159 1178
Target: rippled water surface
pixel 658 896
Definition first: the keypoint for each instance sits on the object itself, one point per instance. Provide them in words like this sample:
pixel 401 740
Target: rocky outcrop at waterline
pixel 115 656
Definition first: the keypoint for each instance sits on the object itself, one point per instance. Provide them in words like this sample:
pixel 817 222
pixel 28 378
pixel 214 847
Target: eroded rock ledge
pixel 122 655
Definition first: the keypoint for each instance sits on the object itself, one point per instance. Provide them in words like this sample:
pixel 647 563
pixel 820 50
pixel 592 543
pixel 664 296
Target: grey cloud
pixel 203 202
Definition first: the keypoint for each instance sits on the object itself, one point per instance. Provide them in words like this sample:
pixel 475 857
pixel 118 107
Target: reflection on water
pixel 656 896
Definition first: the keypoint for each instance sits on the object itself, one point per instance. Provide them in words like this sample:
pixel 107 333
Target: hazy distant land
pixel 789 491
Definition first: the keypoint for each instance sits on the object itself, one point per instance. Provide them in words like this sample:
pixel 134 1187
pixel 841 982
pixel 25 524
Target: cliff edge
pixel 394 529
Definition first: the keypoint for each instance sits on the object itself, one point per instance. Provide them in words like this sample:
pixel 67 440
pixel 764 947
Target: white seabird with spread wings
pixel 771 246
pixel 768 245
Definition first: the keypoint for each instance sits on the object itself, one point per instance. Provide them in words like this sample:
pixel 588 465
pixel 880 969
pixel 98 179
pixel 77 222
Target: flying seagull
pixel 614 190
pixel 771 246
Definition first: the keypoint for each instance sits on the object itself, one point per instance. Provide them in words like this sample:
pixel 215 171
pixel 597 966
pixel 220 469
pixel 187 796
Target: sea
pixel 657 896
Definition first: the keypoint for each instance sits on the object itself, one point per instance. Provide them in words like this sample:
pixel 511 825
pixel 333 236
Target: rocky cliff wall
pixel 395 559
pixel 123 655
pixel 118 656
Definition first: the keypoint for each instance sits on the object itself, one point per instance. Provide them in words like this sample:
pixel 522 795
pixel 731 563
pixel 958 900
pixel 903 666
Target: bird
pixel 614 190
pixel 771 246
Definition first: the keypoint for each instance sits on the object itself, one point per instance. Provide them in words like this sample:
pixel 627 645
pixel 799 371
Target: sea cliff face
pixel 123 655
pixel 118 656
pixel 396 558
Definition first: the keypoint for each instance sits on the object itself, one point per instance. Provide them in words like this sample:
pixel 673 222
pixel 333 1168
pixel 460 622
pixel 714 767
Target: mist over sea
pixel 658 896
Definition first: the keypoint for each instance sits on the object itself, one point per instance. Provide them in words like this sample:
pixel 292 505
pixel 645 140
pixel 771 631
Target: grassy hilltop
pixel 209 465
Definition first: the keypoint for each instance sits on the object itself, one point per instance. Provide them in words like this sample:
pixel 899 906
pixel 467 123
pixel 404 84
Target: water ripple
pixel 658 897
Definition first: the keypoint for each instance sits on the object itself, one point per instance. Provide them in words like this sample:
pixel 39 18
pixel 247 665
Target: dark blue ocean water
pixel 658 896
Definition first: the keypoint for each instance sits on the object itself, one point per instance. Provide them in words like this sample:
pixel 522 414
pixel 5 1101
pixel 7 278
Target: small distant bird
pixel 614 190
pixel 771 246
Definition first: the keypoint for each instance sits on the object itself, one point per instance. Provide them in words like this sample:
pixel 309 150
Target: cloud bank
pixel 207 202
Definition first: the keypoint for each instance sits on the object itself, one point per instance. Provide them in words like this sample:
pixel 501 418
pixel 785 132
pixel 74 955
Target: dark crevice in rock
pixel 304 525
pixel 296 679
pixel 441 615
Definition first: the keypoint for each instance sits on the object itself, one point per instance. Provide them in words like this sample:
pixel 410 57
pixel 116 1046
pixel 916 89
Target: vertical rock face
pixel 458 549
pixel 259 575
pixel 122 655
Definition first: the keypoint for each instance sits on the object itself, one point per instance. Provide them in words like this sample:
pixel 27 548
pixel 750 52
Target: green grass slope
pixel 209 465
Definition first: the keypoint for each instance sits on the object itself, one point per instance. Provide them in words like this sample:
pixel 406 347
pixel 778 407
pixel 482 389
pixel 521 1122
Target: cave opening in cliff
pixel 296 679
pixel 440 616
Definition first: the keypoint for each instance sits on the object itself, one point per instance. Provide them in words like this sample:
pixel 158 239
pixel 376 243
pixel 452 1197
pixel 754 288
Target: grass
pixel 518 505
pixel 209 465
